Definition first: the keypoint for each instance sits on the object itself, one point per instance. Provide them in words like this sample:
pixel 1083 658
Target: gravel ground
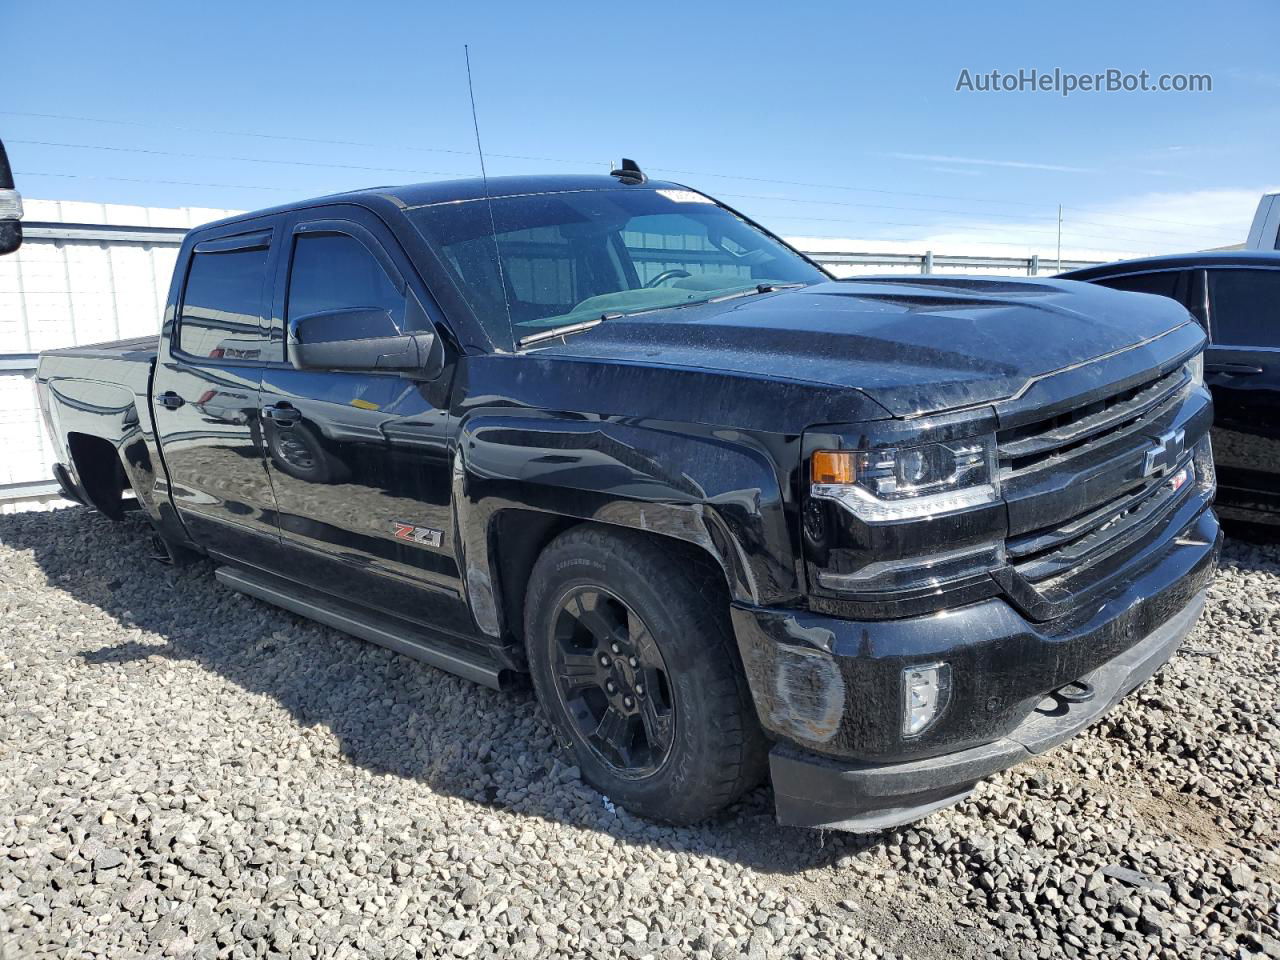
pixel 185 772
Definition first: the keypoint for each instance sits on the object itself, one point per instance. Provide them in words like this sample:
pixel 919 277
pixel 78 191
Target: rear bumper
pixel 829 690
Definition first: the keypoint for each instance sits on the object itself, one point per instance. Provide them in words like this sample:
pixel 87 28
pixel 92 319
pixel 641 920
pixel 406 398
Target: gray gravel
pixel 185 772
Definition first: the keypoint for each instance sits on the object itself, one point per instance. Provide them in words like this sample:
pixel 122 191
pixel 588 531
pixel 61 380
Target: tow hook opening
pixel 1058 701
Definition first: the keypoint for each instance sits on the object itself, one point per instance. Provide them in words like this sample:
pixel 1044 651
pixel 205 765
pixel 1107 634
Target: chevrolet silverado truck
pixel 874 539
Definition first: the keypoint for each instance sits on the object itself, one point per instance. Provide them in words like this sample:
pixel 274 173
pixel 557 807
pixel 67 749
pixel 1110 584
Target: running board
pixel 333 614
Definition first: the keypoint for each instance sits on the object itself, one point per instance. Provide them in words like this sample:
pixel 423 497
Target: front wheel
pixel 634 662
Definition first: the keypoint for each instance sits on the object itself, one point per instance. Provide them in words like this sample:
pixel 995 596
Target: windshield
pixel 546 261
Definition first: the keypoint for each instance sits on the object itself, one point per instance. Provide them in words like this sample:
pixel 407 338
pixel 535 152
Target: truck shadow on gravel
pixel 389 715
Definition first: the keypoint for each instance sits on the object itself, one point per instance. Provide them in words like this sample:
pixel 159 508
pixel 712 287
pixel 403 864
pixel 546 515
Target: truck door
pixel 1242 370
pixel 205 393
pixel 360 461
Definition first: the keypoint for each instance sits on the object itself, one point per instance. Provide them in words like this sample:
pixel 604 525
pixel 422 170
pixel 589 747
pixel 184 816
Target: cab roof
pixel 453 191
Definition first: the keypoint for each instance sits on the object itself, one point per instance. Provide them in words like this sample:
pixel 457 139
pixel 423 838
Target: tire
pixel 709 748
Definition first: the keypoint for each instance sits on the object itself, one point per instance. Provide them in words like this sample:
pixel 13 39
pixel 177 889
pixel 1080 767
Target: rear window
pixel 223 306
pixel 1243 306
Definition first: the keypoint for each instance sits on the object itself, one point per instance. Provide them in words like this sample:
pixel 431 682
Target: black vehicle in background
pixel 10 208
pixel 880 538
pixel 1235 296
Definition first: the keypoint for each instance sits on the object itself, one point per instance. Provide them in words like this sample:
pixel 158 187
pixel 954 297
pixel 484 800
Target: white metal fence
pixel 75 282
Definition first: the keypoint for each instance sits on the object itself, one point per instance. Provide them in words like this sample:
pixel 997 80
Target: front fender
pixel 718 489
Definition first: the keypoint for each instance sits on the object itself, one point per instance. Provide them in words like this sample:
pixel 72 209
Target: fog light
pixel 925 690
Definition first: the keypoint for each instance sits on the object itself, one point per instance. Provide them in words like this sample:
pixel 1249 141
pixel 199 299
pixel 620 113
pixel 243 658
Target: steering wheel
pixel 665 275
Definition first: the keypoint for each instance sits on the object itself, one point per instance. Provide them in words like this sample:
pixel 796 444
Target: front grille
pixel 1026 447
pixel 1077 483
pixel 1071 546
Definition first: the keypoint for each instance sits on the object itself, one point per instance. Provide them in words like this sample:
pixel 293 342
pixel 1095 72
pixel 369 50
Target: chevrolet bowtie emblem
pixel 1165 452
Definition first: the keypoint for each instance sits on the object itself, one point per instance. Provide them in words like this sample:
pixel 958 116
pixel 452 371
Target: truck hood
pixel 913 345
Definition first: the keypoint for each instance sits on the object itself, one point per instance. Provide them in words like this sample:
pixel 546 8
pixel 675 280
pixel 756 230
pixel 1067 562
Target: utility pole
pixel 1059 238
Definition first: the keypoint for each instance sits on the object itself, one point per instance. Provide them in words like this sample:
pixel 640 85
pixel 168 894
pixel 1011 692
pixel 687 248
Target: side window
pixel 222 306
pixel 1243 307
pixel 1162 284
pixel 338 287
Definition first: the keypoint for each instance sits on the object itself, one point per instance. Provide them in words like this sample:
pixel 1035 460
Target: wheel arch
pixel 525 534
pixel 100 473
pixel 520 482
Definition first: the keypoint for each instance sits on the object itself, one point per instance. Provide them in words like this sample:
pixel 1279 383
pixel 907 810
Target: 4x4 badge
pixel 426 536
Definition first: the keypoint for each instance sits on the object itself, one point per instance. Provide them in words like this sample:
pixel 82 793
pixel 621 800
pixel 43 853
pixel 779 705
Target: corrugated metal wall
pixel 65 292
pixel 68 286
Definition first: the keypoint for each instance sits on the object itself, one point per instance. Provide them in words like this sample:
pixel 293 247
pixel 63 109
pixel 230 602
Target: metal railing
pixel 930 262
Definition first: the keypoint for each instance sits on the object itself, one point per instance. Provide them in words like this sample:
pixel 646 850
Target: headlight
pixel 907 482
pixel 1195 366
pixel 10 205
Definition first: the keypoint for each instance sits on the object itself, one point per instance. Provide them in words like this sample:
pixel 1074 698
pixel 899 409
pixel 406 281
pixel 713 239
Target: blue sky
pixel 820 119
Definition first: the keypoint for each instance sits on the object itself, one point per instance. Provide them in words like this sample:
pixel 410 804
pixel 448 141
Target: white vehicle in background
pixel 1264 234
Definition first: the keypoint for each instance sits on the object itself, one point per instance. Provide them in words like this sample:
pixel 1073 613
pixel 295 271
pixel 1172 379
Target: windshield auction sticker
pixel 685 196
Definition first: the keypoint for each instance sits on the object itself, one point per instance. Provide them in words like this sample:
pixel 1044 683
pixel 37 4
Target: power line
pixel 1127 216
pixel 290 139
pixel 339 166
pixel 543 159
pixel 942 227
pixel 800 219
pixel 961 213
pixel 1200 231
pixel 180 183
pixel 208 156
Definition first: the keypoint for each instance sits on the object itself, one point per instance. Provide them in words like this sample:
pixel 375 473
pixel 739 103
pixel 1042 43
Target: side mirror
pixel 323 341
pixel 10 208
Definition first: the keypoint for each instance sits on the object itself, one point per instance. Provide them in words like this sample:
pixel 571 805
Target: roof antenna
pixel 629 172
pixel 506 300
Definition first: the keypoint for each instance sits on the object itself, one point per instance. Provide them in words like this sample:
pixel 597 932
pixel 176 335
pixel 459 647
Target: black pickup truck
pixel 877 538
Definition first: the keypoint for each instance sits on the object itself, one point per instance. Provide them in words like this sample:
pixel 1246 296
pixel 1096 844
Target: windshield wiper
pixel 752 291
pixel 564 331
pixel 556 332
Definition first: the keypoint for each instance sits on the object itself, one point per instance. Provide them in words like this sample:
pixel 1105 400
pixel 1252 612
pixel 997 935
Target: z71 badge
pixel 425 536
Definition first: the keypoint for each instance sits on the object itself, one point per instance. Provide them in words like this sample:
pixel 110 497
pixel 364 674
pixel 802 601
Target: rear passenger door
pixel 360 461
pixel 1242 369
pixel 206 392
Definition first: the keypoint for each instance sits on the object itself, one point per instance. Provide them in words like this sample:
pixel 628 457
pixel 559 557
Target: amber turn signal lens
pixel 833 466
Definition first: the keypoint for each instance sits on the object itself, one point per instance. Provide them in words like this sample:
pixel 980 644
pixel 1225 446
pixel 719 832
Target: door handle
pixel 1239 369
pixel 170 400
pixel 281 414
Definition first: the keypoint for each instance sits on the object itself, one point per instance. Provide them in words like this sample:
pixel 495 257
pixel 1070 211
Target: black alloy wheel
pixel 612 681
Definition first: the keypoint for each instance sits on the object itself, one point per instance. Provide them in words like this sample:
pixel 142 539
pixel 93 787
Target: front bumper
pixel 829 690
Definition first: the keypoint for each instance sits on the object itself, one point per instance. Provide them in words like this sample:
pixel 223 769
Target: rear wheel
pixel 633 660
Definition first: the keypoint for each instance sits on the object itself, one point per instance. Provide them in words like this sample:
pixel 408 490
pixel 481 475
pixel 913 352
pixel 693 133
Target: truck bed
pixel 124 363
pixel 136 349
